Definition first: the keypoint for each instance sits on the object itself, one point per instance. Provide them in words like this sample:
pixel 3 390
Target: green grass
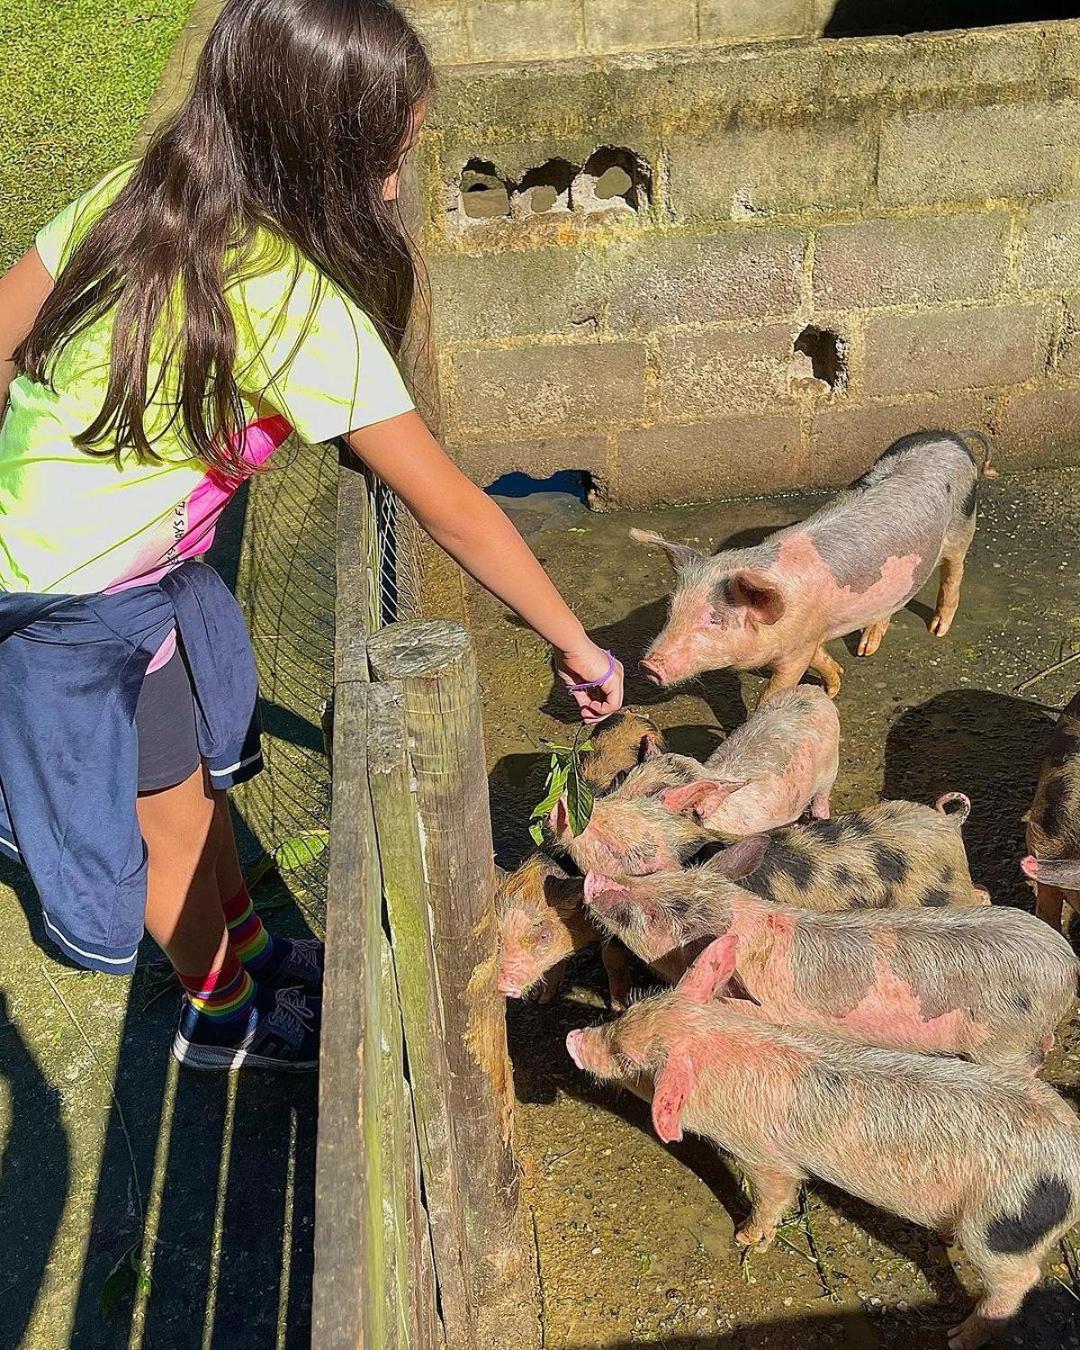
pixel 77 78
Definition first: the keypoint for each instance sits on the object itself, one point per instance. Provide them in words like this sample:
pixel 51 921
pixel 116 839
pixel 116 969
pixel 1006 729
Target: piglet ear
pixel 559 818
pixel 597 885
pixel 711 971
pixel 678 555
pixel 758 593
pixel 741 858
pixel 1061 872
pixel 670 1091
pixel 699 799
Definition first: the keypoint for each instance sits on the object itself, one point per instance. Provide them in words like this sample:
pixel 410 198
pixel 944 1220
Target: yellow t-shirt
pixel 309 361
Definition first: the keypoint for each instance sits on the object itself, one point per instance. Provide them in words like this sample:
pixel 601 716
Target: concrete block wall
pixel 825 244
pixel 471 31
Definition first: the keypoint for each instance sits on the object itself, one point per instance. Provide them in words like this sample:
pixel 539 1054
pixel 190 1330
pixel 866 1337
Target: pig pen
pixel 635 1239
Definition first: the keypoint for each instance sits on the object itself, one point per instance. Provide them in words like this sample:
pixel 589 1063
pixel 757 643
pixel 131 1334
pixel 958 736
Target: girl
pixel 249 278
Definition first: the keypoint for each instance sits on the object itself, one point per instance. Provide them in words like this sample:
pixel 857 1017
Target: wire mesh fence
pixel 286 582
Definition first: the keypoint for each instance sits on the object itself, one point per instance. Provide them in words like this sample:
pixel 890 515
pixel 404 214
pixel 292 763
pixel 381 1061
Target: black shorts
pixel 165 725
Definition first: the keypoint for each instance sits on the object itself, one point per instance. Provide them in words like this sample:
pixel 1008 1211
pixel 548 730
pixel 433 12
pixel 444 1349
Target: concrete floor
pixel 635 1238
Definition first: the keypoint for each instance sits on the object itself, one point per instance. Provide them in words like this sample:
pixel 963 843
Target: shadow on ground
pixel 988 745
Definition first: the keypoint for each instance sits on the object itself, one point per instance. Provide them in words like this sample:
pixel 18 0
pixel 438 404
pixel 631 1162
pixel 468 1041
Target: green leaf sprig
pixel 565 779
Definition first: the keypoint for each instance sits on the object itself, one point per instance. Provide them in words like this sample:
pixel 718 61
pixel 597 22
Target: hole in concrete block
pixel 868 18
pixel 824 358
pixel 546 188
pixel 484 195
pixel 536 504
pixel 570 482
pixel 613 178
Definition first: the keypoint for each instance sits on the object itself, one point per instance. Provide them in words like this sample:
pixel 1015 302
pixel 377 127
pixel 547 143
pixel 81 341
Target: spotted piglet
pixel 892 855
pixel 779 763
pixel 991 1158
pixel 849 566
pixel 987 982
pixel 1053 833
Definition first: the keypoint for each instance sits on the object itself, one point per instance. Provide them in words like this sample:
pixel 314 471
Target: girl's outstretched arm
pixel 23 290
pixel 465 522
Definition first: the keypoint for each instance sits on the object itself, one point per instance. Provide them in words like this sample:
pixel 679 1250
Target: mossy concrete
pixel 635 1239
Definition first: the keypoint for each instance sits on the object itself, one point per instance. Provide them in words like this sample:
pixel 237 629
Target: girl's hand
pixel 590 665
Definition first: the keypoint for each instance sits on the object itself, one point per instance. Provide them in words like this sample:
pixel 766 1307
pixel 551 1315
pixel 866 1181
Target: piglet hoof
pixel 753 1237
pixel 870 638
pixel 940 624
pixel 973 1332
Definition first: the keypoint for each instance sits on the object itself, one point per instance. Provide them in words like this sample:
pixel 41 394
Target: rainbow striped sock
pixel 222 993
pixel 252 943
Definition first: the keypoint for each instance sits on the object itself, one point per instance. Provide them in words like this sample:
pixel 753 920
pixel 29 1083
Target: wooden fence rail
pixel 420 1240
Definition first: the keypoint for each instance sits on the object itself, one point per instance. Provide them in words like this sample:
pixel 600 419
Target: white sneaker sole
pixel 221 1059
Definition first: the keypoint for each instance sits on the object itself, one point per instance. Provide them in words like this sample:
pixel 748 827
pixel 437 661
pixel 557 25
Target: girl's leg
pixel 183 902
pixel 275 961
pixel 226 1022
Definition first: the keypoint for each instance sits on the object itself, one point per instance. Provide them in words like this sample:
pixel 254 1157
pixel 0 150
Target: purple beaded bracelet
pixel 594 684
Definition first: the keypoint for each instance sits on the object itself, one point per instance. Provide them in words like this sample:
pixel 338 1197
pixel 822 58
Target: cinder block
pixel 1040 427
pixel 1051 256
pixel 496 295
pixel 741 20
pixel 485 461
pixel 737 173
pixel 620 25
pixel 973 154
pixel 669 464
pixel 442 28
pixel 653 281
pixel 889 262
pixel 965 349
pixel 548 389
pixel 707 374
pixel 523 30
pixel 845 441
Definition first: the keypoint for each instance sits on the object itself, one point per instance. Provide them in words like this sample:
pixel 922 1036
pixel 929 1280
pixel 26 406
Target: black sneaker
pixel 297 963
pixel 281 1031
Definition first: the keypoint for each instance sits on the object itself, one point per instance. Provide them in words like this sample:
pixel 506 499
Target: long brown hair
pixel 299 111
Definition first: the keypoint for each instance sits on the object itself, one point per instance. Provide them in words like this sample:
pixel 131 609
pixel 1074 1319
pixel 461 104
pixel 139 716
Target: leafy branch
pixel 565 779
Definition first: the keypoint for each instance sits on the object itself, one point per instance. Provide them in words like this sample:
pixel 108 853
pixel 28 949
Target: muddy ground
pixel 635 1238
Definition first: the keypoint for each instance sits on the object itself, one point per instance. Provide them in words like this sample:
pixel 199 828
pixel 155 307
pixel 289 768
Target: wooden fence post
pixel 434 667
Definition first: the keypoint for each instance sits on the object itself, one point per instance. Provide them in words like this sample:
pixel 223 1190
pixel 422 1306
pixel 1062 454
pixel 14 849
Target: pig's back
pixel 881 1124
pixel 881 538
pixel 988 962
pixel 887 855
pixel 765 741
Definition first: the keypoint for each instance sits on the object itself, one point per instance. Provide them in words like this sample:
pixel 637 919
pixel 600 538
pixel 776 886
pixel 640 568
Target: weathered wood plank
pixel 397 1124
pixel 435 665
pixel 349 1240
pixel 426 1326
pixel 409 909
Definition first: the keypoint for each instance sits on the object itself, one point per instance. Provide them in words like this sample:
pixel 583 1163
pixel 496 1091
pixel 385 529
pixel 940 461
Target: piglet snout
pixel 509 989
pixel 573 1045
pixel 1030 867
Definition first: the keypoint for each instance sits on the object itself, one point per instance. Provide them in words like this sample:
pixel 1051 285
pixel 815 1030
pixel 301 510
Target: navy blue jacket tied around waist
pixel 71 669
